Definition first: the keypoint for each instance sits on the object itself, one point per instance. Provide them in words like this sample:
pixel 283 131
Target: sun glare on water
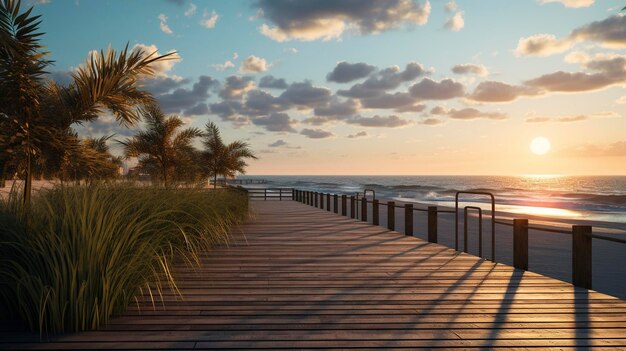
pixel 540 146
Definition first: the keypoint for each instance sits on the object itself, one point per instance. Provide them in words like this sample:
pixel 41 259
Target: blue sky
pixel 476 119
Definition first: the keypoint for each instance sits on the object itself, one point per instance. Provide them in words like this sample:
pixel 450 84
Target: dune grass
pixel 82 253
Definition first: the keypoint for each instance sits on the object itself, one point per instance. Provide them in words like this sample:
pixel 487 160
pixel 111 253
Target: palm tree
pixel 162 146
pixel 222 159
pixel 35 112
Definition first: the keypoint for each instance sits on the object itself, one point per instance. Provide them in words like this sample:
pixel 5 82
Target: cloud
pixel 542 45
pixel 389 101
pixel 621 100
pixel 163 84
pixel 191 10
pixel 273 83
pixel 259 102
pixel 253 64
pixel 160 67
pixel 291 50
pixel 316 133
pixel 472 113
pixel 362 134
pixel 492 91
pixel 278 143
pixel 163 24
pixel 570 3
pixel 610 32
pixel 187 100
pixel 615 149
pixel 209 20
pixel 346 72
pixel 450 6
pixel 305 94
pixel 431 121
pixel 392 121
pixel 236 87
pixel 455 23
pixel 336 107
pixel 569 119
pixel 322 19
pixel 387 79
pixel 223 66
pixel 429 89
pixel 439 110
pixel 104 125
pixel 468 68
pixel 276 122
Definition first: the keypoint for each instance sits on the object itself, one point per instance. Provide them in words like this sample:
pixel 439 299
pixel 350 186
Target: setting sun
pixel 540 146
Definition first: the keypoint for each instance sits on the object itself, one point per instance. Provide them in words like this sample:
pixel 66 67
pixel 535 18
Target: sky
pixel 386 87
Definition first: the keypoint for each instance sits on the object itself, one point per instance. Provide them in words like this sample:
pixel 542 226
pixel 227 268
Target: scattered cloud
pixel 271 82
pixel 322 19
pixel 291 50
pixel 223 66
pixel 621 100
pixel 209 20
pixel 472 113
pixel 392 121
pixel 468 68
pixel 450 6
pixel 188 101
pixel 455 23
pixel 165 28
pixel 431 121
pixel 570 3
pixel 610 32
pixel 389 101
pixel 236 87
pixel 362 134
pixel 191 10
pixel 346 72
pixel 305 94
pixel 429 89
pixel 316 133
pixel 569 119
pixel 161 67
pixel 387 79
pixel 336 108
pixel 276 122
pixel 254 64
pixel 278 143
pixel 493 91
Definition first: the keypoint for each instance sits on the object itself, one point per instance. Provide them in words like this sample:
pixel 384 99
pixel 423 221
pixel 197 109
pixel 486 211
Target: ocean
pixel 591 198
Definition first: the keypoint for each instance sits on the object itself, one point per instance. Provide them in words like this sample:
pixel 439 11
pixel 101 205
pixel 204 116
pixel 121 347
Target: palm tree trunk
pixel 28 181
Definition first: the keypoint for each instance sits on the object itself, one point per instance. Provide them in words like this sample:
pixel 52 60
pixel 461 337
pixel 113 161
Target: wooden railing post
pixel 293 195
pixel 336 203
pixel 408 219
pixel 352 207
pixel 391 215
pixel 328 202
pixel 344 209
pixel 316 199
pixel 309 198
pixel 364 209
pixel 432 224
pixel 375 219
pixel 280 194
pixel 265 194
pixel 520 244
pixel 581 256
pixel 322 201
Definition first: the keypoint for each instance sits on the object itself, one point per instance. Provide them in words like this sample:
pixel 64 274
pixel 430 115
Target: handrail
pixel 372 191
pixel 493 220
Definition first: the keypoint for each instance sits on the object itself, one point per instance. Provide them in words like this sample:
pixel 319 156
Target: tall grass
pixel 81 253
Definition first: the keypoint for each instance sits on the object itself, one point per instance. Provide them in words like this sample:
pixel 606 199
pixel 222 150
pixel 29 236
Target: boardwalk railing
pixel 270 193
pixel 582 235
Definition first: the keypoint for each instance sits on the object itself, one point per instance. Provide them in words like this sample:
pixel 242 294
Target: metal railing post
pixel 432 224
pixel 352 207
pixel 520 244
pixel 581 256
pixel 375 219
pixel 408 219
pixel 364 209
pixel 391 215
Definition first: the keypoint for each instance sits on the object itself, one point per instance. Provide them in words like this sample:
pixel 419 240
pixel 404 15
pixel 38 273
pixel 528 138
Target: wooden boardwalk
pixel 303 278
